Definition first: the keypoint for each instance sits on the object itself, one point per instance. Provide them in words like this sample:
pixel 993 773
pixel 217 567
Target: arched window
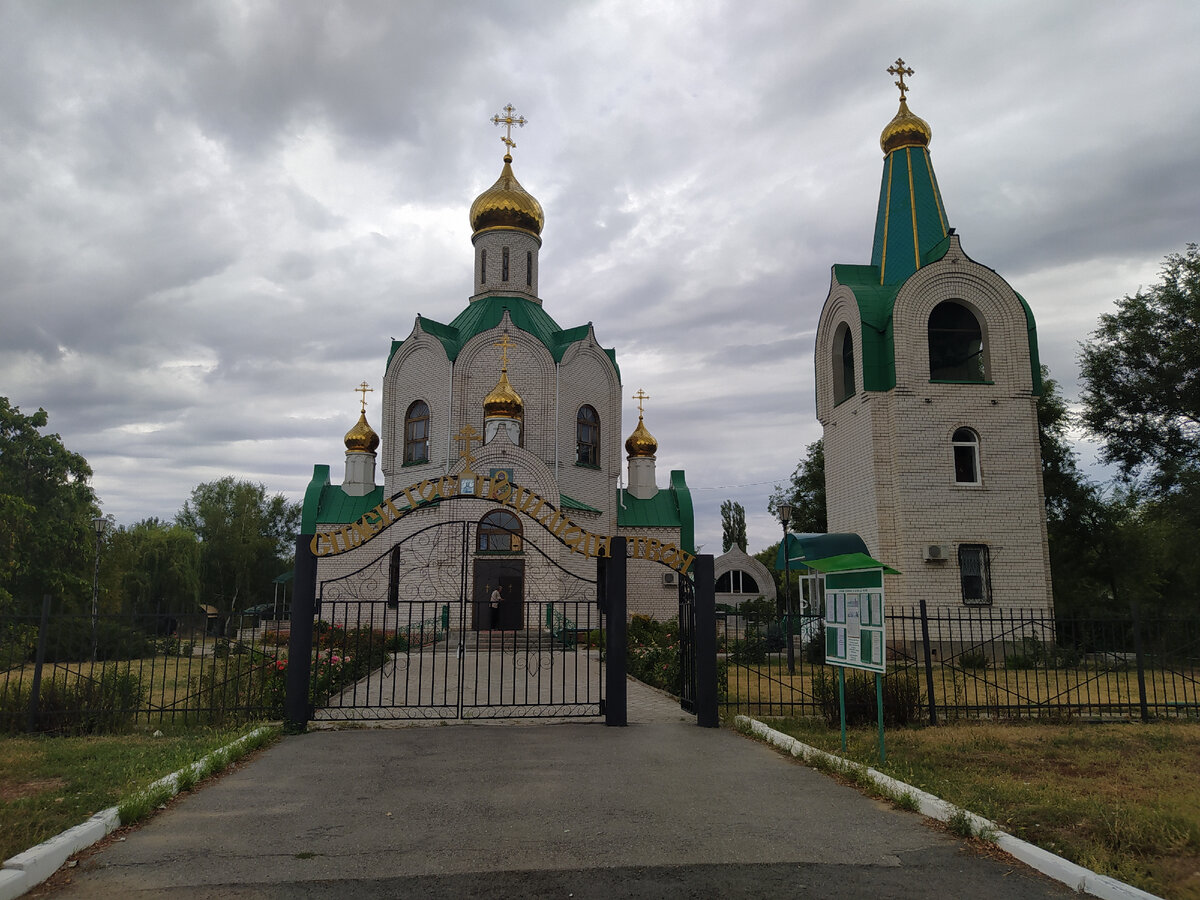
pixel 504 264
pixel 500 531
pixel 416 433
pixel 966 456
pixel 955 344
pixel 843 364
pixel 483 266
pixel 587 437
pixel 529 268
pixel 735 581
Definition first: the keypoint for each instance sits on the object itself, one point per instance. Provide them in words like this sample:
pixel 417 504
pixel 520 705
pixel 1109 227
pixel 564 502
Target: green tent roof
pixel 669 508
pixel 848 562
pixel 805 547
pixel 484 314
pixel 910 219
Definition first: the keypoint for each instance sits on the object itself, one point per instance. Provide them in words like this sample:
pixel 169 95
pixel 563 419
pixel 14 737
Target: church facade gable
pixel 419 372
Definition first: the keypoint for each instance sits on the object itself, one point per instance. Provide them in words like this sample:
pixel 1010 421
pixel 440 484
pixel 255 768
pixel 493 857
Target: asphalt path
pixel 660 808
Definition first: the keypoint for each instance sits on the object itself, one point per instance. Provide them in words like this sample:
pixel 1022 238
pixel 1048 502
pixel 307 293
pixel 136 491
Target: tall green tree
pixel 151 566
pixel 246 539
pixel 806 493
pixel 733 525
pixel 1141 375
pixel 47 544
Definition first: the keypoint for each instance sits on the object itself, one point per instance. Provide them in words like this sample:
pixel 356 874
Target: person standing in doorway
pixel 495 602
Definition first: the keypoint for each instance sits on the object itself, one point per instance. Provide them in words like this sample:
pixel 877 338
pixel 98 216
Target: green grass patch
pixel 1123 799
pixel 50 784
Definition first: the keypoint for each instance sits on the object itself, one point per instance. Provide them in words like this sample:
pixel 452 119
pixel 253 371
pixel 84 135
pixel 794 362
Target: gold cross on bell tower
pixel 508 121
pixel 364 390
pixel 639 397
pixel 900 69
pixel 505 345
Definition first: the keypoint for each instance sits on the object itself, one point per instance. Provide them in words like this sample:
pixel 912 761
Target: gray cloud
pixel 217 216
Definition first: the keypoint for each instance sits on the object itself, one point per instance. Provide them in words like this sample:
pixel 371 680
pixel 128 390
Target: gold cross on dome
pixel 364 390
pixel 508 121
pixel 900 69
pixel 465 438
pixel 505 345
pixel 639 397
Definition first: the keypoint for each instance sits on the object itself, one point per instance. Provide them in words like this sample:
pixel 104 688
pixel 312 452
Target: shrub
pixel 814 647
pixel 71 638
pixel 107 702
pixel 750 650
pixel 902 698
pixel 653 655
pixel 974 659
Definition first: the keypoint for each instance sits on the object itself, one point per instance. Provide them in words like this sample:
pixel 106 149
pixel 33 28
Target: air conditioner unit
pixel 669 578
pixel 935 553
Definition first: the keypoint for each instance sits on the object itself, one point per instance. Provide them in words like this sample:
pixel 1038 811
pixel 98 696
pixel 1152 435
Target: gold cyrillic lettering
pixel 603 546
pixel 685 563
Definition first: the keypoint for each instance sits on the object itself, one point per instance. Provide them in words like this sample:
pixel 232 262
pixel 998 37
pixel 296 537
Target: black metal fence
pixel 66 672
pixel 973 663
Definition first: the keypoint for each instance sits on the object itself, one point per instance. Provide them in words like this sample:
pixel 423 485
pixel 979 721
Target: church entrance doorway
pixel 508 577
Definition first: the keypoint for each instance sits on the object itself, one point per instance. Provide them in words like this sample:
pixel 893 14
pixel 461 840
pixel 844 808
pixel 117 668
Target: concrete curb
pixel 1076 877
pixel 26 870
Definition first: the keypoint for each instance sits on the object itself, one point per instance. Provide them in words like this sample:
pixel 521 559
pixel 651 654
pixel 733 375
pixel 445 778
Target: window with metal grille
pixel 975 572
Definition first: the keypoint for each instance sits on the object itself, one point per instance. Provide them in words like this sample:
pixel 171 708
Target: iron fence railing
pixel 976 663
pixel 66 672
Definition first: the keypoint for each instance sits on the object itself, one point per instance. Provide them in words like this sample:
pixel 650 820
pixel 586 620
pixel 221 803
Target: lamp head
pixel 785 513
pixel 100 524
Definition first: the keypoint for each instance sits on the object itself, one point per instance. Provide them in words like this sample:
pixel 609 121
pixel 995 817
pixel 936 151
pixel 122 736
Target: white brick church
pixel 518 422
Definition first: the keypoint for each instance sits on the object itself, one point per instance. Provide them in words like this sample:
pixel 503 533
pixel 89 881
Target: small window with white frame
pixel 966 457
pixel 975 573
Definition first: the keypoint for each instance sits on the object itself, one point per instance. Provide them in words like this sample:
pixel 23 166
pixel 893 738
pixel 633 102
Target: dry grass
pixel 769 690
pixel 1123 799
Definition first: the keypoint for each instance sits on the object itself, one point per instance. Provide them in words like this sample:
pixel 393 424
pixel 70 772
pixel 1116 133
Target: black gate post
pixel 615 689
pixel 928 663
pixel 39 661
pixel 296 710
pixel 705 637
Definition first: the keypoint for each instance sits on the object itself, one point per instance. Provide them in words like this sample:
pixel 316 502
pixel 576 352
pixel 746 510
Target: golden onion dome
pixel 507 205
pixel 362 437
pixel 503 402
pixel 905 130
pixel 641 443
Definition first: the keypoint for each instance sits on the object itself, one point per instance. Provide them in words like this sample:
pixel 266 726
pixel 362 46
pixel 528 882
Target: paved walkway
pixel 661 808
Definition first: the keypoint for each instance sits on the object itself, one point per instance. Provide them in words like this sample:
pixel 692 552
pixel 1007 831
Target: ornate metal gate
pixel 413 634
pixel 687 644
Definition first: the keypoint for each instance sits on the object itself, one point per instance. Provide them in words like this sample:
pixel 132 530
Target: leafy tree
pixel 47 545
pixel 733 525
pixel 1141 371
pixel 151 566
pixel 806 493
pixel 246 539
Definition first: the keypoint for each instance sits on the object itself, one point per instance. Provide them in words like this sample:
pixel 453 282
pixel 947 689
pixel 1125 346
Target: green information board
pixel 854 620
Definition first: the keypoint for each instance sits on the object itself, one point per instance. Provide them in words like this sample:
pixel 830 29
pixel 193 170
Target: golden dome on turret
pixel 507 205
pixel 362 437
pixel 641 443
pixel 503 402
pixel 905 130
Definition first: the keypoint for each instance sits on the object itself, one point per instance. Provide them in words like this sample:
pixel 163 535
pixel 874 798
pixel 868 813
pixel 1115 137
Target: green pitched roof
pixel 484 314
pixel 669 508
pixel 804 547
pixel 910 219
pixel 848 562
pixel 328 504
pixel 565 502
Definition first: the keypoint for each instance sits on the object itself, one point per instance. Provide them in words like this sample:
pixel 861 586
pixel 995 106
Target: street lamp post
pixel 100 524
pixel 785 516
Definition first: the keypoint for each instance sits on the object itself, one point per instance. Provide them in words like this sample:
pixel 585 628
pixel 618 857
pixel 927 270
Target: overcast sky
pixel 216 215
